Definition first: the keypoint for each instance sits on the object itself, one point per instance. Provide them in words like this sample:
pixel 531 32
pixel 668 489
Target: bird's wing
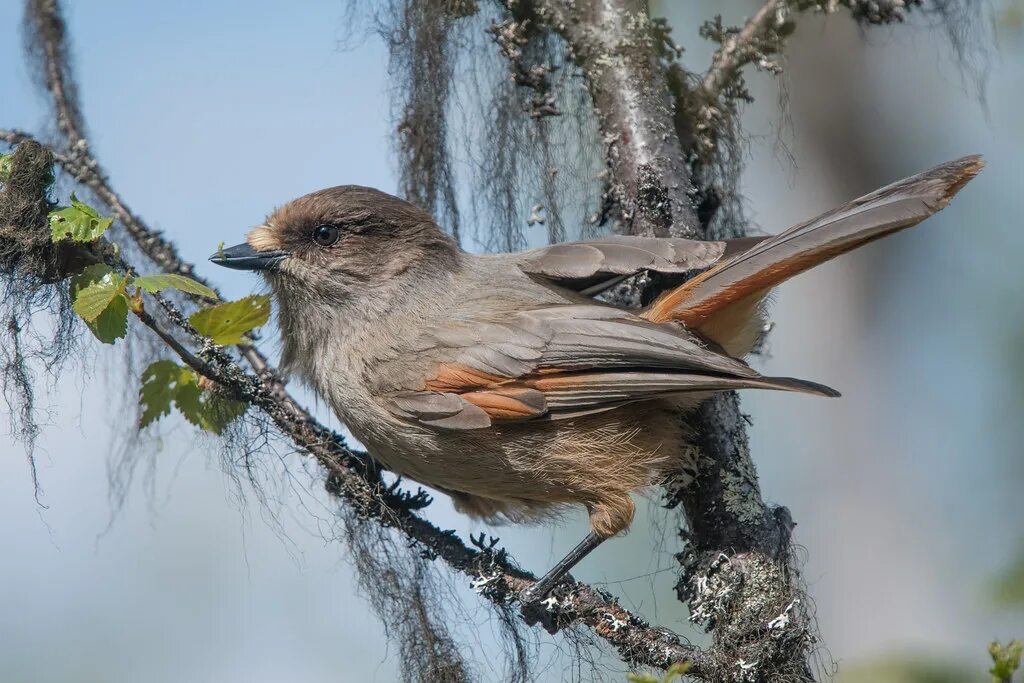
pixel 558 362
pixel 583 266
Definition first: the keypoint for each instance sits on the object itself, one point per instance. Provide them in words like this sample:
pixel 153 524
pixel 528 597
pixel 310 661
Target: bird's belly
pixel 556 461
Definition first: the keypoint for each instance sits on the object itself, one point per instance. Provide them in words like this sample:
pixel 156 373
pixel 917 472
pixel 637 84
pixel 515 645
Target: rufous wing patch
pixel 509 403
pixel 456 377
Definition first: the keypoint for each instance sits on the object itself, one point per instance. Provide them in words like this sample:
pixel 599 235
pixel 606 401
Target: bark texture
pixel 619 50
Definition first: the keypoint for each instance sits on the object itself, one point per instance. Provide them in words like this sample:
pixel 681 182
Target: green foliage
pixel 98 295
pixel 159 387
pixel 205 409
pixel 1005 660
pixel 158 283
pixel 671 674
pixel 227 323
pixel 6 163
pixel 94 289
pixel 165 382
pixel 79 222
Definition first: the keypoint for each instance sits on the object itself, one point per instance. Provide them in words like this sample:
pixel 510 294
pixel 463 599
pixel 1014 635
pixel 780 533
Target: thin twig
pixel 739 48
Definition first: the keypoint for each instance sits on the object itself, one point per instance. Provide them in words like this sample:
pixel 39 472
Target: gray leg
pixel 540 589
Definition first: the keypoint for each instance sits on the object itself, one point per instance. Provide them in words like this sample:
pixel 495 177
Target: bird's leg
pixel 541 588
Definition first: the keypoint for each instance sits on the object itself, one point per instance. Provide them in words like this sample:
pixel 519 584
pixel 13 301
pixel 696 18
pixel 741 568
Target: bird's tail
pixel 723 303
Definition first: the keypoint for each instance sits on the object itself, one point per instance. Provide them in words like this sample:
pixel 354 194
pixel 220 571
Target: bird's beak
pixel 244 257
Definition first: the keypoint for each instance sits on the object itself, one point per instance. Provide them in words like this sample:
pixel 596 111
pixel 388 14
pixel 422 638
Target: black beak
pixel 244 257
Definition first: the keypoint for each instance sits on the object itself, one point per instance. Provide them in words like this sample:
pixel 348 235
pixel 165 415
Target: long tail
pixel 723 302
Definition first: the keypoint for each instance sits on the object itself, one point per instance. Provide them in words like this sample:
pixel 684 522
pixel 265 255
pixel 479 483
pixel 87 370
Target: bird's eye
pixel 326 234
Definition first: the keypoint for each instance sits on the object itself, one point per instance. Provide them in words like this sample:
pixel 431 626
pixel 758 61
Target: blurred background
pixel 907 491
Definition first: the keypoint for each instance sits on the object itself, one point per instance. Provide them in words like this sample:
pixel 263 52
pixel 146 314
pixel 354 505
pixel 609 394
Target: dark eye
pixel 326 234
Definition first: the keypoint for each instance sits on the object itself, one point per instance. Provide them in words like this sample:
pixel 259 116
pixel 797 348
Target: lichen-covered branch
pixel 619 49
pixel 712 103
pixel 740 47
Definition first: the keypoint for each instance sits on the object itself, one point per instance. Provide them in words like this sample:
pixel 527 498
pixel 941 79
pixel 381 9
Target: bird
pixel 504 380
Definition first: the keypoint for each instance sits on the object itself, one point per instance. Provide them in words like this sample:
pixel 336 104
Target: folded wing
pixel 560 362
pixel 592 266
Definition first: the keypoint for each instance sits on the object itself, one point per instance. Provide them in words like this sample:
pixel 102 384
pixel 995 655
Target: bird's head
pixel 342 243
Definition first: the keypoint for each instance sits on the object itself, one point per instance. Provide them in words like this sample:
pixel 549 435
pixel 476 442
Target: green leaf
pixel 157 283
pixel 1005 660
pixel 226 323
pixel 98 296
pixel 205 409
pixel 80 222
pixel 6 164
pixel 159 384
pixel 94 299
pixel 164 382
pixel 112 323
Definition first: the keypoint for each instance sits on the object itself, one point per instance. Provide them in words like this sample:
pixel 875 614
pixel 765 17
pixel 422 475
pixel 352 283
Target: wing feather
pixel 559 362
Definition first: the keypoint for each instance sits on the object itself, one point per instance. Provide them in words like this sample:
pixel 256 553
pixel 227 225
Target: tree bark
pixel 613 43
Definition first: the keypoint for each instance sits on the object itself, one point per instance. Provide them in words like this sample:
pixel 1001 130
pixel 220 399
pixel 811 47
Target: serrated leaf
pixel 95 298
pixel 79 222
pixel 157 283
pixel 112 323
pixel 94 288
pixel 205 409
pixel 165 382
pixel 97 294
pixel 159 384
pixel 226 323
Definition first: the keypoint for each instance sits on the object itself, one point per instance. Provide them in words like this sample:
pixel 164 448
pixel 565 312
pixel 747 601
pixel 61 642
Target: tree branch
pixel 740 48
pixel 614 43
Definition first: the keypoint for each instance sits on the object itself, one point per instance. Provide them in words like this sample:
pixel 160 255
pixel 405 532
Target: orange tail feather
pixel 723 302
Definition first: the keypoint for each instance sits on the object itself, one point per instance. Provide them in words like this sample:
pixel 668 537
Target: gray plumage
pixel 492 378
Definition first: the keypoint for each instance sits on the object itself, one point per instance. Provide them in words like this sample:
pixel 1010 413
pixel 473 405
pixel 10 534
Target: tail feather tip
pixel 960 172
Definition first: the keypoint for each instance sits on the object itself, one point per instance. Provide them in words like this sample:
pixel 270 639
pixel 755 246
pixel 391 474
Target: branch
pixel 614 43
pixel 741 48
pixel 716 99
